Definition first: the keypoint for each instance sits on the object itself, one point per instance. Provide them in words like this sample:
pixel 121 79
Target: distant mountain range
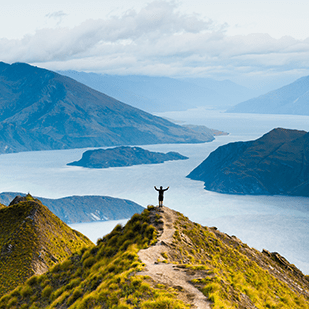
pixel 32 240
pixel 75 209
pixel 291 99
pixel 40 109
pixel 276 163
pixel 160 94
pixel 124 156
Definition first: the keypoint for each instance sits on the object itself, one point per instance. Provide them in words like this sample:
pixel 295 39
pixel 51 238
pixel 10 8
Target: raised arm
pixel 166 189
pixel 156 188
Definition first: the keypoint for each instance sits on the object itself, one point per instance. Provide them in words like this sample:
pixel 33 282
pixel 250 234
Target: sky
pixel 253 43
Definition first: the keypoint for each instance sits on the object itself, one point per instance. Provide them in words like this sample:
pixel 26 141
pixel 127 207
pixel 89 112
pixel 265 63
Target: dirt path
pixel 170 274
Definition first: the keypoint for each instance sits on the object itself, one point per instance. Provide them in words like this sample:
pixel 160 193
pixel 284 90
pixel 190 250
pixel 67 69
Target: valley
pixel 276 223
pixel 104 102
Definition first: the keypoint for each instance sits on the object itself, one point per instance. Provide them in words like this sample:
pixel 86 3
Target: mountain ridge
pixel 32 239
pixel 76 209
pixel 160 94
pixel 41 109
pixel 124 270
pixel 291 99
pixel 276 163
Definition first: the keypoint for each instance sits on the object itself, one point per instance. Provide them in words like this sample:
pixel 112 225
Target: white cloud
pixel 157 40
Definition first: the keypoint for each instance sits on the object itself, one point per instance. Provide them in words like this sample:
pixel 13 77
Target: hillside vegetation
pixel 32 239
pixel 111 275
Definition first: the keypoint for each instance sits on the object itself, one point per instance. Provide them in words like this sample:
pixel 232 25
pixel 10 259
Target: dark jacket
pixel 161 192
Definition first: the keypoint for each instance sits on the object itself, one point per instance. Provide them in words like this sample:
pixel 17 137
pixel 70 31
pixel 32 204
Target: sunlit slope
pixel 32 239
pixel 108 275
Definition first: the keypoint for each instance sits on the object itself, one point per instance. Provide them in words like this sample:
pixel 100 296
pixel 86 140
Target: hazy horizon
pixel 257 44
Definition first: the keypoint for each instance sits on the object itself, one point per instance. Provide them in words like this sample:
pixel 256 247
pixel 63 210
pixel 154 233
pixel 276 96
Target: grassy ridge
pixel 101 276
pixel 228 272
pixel 234 275
pixel 32 239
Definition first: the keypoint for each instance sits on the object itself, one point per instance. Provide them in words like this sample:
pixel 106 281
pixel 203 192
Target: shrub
pixel 32 280
pixel 89 262
pixel 76 294
pixel 12 302
pixel 66 265
pixel 163 302
pixel 47 291
pixel 26 291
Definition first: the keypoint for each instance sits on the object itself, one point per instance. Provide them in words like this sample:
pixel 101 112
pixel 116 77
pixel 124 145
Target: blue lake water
pixel 276 223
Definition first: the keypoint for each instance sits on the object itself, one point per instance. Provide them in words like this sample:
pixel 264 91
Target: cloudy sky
pixel 247 41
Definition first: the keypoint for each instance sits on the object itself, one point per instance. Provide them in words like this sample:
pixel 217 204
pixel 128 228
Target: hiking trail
pixel 167 273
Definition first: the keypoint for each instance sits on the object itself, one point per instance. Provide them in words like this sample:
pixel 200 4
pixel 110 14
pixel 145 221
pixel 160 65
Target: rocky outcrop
pixel 276 163
pixel 124 156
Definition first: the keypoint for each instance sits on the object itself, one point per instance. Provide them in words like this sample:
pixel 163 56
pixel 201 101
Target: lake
pixel 276 223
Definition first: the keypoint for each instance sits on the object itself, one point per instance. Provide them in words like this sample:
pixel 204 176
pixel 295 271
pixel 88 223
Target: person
pixel 161 192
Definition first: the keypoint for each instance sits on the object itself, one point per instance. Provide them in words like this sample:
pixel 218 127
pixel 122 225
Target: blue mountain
pixel 291 99
pixel 160 94
pixel 41 109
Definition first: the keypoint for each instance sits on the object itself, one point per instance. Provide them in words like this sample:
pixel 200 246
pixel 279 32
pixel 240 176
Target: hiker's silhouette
pixel 161 193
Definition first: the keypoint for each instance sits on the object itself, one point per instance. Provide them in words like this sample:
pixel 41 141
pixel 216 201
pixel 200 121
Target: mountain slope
pixel 124 156
pixel 160 94
pixel 276 163
pixel 40 109
pixel 32 239
pixel 74 209
pixel 291 99
pixel 161 259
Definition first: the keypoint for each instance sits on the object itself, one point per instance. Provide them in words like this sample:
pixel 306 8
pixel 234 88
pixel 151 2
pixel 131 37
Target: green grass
pixel 31 235
pixel 228 272
pixel 101 276
pixel 233 273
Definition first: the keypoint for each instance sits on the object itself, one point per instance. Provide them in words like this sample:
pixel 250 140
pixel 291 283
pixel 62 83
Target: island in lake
pixel 124 156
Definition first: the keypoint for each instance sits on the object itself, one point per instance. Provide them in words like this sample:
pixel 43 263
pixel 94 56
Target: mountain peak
pixel 41 110
pixel 32 239
pixel 160 259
